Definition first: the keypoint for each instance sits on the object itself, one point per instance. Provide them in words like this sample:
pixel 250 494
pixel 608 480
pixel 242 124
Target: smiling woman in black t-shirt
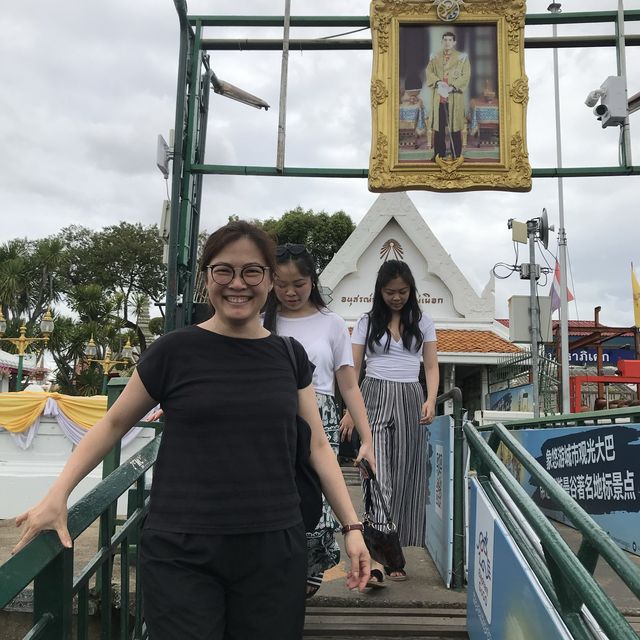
pixel 223 549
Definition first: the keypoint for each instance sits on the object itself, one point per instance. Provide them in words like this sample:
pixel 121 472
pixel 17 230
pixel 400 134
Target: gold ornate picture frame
pixel 448 96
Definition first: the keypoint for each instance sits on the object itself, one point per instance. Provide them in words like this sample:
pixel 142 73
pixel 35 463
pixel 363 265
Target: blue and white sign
pixel 512 399
pixel 597 466
pixel 504 598
pixel 439 526
pixel 589 355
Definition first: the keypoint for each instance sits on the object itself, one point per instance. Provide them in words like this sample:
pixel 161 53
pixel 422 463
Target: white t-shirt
pixel 325 337
pixel 398 364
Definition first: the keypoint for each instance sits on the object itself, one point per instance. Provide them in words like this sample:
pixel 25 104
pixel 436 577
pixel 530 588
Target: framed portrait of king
pixel 448 96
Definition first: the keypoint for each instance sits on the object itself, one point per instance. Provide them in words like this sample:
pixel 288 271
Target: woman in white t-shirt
pixel 296 308
pixel 395 335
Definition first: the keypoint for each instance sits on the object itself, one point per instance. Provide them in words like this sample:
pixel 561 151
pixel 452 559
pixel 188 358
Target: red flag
pixel 555 289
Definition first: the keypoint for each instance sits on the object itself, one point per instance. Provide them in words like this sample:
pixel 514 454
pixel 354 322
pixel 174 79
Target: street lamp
pixel 22 342
pixel 107 363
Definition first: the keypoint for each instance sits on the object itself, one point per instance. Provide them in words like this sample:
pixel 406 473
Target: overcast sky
pixel 87 86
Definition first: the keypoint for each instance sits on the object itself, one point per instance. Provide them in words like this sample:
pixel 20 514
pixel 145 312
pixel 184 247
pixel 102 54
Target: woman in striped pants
pixel 393 337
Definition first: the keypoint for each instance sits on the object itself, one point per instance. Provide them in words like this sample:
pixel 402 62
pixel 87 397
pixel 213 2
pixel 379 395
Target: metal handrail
pixel 569 584
pixel 579 419
pixel 591 531
pixel 50 566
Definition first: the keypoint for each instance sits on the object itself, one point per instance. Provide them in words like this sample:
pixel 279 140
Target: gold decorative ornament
pixel 379 93
pixel 439 123
pixel 389 247
pixel 519 90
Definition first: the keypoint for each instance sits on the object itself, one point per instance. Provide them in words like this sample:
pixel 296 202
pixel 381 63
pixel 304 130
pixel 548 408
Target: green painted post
pixel 105 381
pixel 19 374
pixel 113 389
pixel 110 463
pixel 53 596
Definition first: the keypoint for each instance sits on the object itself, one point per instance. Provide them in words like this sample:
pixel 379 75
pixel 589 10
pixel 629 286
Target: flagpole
pixel 555 7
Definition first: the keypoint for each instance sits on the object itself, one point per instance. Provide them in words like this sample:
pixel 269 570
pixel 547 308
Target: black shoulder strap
pixel 371 483
pixel 292 355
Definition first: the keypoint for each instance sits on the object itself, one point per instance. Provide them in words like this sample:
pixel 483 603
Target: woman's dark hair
pixel 380 314
pixel 298 255
pixel 234 231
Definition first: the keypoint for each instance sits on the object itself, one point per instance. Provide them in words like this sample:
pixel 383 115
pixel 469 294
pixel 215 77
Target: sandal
pixel 312 589
pixel 400 574
pixel 376 579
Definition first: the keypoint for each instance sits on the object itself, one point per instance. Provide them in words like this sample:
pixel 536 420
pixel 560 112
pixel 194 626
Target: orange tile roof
pixel 581 327
pixel 467 341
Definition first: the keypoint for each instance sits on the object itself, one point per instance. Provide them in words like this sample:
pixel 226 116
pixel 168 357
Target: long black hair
pixel 380 314
pixel 303 261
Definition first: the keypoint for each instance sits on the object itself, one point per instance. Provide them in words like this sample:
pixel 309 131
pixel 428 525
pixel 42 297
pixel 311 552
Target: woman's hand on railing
pixel 428 413
pixel 49 513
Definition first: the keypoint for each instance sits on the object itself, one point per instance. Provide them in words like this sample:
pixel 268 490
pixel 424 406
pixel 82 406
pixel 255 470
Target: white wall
pixel 26 475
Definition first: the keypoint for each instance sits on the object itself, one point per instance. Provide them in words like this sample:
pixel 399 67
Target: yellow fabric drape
pixel 84 411
pixel 19 410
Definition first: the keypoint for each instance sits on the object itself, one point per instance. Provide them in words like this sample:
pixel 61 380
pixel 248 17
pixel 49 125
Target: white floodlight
pixel 230 91
pixel 593 97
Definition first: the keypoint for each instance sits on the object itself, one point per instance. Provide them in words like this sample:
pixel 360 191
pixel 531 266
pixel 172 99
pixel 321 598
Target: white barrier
pixel 26 475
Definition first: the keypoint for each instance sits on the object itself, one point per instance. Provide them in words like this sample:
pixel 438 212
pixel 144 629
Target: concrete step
pixel 385 622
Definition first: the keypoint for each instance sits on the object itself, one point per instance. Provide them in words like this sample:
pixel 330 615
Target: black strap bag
pixel 381 538
pixel 307 479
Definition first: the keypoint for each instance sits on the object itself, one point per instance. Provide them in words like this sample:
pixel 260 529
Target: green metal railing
pixel 189 166
pixel 586 418
pixel 51 567
pixel 567 578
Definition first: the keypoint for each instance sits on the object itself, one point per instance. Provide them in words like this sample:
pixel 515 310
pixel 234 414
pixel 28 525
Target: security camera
pixel 601 111
pixel 613 107
pixel 593 97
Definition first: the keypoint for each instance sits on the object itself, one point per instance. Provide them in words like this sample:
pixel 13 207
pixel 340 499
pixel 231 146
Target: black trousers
pixel 439 137
pixel 224 587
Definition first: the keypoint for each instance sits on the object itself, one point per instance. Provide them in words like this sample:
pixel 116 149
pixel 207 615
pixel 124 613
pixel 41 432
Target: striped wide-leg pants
pixel 399 442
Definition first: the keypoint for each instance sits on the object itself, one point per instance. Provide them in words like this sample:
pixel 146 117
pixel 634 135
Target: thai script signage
pixel 589 356
pixel 358 298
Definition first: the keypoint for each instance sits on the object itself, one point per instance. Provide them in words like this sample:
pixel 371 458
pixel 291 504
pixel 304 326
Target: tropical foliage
pixel 97 284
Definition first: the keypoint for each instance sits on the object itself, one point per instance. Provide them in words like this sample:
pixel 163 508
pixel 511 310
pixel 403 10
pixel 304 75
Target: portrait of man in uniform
pixel 448 94
pixel 447 77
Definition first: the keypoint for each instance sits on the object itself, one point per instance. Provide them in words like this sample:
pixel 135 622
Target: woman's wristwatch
pixel 356 526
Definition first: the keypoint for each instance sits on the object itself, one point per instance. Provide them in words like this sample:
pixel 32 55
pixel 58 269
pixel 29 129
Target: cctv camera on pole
pixel 613 107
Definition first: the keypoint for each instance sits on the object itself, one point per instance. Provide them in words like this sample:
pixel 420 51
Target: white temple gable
pixel 394 229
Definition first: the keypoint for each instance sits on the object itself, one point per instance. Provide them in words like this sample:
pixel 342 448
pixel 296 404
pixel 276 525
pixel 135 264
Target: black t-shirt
pixel 226 463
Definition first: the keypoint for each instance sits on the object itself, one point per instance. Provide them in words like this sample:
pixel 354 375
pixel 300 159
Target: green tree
pixel 125 260
pixel 95 283
pixel 323 234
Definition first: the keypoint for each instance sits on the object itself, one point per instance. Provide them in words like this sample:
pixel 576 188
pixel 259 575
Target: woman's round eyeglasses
pixel 251 274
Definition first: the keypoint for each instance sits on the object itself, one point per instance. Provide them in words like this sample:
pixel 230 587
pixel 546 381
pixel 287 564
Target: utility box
pixel 613 107
pixel 520 319
pixel 629 368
